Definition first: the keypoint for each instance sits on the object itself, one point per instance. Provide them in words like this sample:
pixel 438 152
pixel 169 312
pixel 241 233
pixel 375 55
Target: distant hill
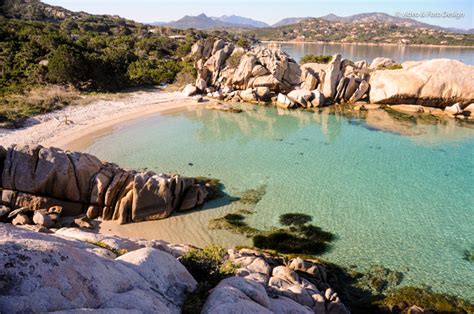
pixel 240 20
pixel 378 17
pixel 363 28
pixel 202 21
pixel 289 21
pixel 37 11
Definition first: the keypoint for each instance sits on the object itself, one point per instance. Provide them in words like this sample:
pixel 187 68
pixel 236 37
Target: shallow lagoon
pixel 395 191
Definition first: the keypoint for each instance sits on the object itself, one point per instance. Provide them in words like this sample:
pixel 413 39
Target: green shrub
pixel 234 60
pixel 208 266
pixel 153 71
pixel 315 59
pixel 244 43
pixel 67 65
pixel 187 75
pixel 103 245
pixel 395 66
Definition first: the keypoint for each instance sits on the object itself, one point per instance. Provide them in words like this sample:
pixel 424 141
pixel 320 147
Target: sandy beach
pixel 51 129
pixel 100 116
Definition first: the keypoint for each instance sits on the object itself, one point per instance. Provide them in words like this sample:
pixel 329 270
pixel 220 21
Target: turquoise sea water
pixel 402 197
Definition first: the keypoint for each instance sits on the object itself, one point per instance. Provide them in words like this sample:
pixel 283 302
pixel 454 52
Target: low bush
pixel 395 66
pixel 325 59
pixel 208 266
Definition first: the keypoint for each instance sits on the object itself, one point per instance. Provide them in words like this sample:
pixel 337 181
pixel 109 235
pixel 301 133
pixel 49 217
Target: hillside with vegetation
pixel 373 31
pixel 43 45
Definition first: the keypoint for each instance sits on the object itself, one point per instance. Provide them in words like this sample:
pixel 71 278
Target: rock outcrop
pixel 434 83
pixel 309 292
pixel 230 73
pixel 257 67
pixel 43 273
pixel 38 179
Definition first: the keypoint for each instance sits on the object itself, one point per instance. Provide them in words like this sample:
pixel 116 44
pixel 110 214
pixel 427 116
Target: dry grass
pixel 14 109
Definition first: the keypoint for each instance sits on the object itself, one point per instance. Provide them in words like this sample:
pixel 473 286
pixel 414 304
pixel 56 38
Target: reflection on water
pixel 365 52
pixel 260 122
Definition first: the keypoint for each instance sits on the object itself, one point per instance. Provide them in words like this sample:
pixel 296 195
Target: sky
pixel 459 12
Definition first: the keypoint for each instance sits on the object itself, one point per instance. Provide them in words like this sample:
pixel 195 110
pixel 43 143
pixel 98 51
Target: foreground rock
pixel 37 178
pixel 42 273
pixel 434 83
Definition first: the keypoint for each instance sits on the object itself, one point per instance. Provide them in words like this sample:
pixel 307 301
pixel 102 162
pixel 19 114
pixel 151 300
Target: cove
pixel 396 192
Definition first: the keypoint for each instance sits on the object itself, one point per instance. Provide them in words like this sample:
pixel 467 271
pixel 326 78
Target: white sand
pixel 50 130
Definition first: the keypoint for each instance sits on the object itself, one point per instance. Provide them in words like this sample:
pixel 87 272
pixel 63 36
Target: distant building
pixel 177 37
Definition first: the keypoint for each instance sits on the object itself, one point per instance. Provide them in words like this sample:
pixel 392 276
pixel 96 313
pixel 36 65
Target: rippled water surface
pixel 365 52
pixel 396 192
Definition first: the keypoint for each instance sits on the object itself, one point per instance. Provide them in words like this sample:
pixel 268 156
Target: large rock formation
pixel 258 67
pixel 43 273
pixel 39 178
pixel 434 83
pixel 234 74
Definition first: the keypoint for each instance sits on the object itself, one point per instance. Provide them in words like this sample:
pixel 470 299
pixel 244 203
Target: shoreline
pixel 99 116
pixel 362 44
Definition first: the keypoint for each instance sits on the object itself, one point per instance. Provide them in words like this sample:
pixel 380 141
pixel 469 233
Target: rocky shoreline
pixel 234 74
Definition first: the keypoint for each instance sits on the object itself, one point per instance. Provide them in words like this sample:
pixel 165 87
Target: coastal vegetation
pixel 311 58
pixel 208 266
pixel 44 45
pixel 117 252
pixel 395 66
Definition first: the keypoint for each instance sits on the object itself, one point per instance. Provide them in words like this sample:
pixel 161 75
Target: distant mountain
pixel 290 21
pixel 203 21
pixel 378 17
pixel 240 20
